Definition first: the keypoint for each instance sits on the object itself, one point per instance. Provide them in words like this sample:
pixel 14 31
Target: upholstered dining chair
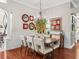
pixel 30 44
pixel 31 47
pixel 56 43
pixel 23 43
pixel 40 47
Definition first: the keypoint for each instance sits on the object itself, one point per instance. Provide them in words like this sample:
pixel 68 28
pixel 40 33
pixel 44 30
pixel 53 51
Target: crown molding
pixel 44 8
pixel 26 4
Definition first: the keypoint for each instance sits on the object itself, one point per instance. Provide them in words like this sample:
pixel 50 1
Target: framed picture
pixel 25 26
pixel 31 26
pixel 31 18
pixel 25 18
pixel 56 24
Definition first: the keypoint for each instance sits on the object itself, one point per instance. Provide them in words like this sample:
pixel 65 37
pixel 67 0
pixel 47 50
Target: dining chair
pixel 23 43
pixel 40 47
pixel 1 40
pixel 30 44
pixel 56 43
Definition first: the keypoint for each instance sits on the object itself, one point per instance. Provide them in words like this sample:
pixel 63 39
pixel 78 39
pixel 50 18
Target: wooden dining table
pixel 50 40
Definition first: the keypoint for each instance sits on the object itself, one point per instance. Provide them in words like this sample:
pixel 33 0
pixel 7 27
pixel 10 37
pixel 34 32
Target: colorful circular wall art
pixel 31 26
pixel 25 17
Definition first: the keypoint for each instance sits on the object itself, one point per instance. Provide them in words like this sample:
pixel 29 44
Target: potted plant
pixel 41 25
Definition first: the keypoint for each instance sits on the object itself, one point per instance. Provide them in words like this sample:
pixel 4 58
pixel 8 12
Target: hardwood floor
pixel 61 53
pixel 77 51
pixel 1 55
pixel 58 54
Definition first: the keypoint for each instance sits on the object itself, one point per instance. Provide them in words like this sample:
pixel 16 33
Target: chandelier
pixel 41 22
pixel 40 12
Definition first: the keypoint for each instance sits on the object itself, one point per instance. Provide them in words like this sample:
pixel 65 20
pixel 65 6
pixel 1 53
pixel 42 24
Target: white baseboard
pixel 70 47
pixel 76 41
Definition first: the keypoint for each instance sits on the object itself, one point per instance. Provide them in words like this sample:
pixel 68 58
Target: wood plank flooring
pixel 58 54
pixel 61 53
pixel 1 55
pixel 77 51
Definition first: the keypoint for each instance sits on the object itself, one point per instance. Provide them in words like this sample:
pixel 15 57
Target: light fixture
pixel 40 12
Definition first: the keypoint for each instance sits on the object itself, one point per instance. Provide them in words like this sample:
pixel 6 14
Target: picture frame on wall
pixel 31 18
pixel 56 24
pixel 32 26
pixel 25 18
pixel 25 26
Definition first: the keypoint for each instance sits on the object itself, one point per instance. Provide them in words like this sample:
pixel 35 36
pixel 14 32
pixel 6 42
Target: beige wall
pixel 16 28
pixel 64 12
pixel 17 10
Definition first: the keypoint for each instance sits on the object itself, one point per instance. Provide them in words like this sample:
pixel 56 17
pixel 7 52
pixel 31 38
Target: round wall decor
pixel 25 17
pixel 31 26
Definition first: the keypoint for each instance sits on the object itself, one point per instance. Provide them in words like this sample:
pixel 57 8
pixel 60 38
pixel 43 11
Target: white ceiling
pixel 45 3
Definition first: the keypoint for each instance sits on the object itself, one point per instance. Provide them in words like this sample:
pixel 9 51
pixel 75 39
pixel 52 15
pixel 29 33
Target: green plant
pixel 41 25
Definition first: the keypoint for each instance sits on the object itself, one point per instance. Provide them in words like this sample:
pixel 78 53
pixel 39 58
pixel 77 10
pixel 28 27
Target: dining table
pixel 50 40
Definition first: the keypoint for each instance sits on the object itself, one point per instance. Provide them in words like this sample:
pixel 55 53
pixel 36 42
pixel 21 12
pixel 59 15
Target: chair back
pixel 23 40
pixel 30 42
pixel 39 44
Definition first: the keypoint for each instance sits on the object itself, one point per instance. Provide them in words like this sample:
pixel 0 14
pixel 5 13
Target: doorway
pixel 76 18
pixel 76 27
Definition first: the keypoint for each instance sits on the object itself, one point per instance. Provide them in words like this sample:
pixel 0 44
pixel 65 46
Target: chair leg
pixel 53 54
pixel 28 51
pixel 26 48
pixel 44 56
pixel 21 50
pixel 34 55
